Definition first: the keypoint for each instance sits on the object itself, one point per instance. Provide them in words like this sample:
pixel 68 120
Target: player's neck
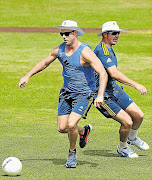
pixel 107 43
pixel 73 47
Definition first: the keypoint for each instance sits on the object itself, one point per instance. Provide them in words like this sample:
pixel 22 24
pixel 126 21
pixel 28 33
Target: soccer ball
pixel 12 166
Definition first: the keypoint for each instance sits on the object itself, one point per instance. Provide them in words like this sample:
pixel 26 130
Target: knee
pixel 71 126
pixel 62 129
pixel 126 126
pixel 140 116
pixel 128 123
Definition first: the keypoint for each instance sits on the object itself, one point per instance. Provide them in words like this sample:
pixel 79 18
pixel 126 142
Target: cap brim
pixel 80 31
pixel 100 34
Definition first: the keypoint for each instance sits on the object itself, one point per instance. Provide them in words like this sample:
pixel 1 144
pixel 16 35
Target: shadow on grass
pixel 63 161
pixel 105 153
pixel 11 176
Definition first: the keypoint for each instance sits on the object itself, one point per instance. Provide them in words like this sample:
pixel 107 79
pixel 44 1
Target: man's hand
pixel 23 81
pixel 98 101
pixel 141 88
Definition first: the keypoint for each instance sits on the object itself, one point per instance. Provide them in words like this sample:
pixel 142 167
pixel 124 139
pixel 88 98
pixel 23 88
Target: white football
pixel 12 166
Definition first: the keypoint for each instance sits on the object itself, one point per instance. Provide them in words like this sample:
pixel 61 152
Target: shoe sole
pixel 91 128
pixel 70 166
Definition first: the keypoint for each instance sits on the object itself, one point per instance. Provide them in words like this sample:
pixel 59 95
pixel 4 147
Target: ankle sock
pixel 122 144
pixel 72 150
pixel 133 134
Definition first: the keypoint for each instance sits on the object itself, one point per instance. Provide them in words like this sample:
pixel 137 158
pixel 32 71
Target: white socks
pixel 122 144
pixel 133 134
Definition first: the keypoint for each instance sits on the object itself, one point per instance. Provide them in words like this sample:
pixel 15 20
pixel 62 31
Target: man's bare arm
pixel 39 67
pixel 119 76
pixel 96 64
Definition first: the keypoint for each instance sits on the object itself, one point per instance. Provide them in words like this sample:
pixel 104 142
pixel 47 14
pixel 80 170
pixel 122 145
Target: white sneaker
pixel 126 152
pixel 139 143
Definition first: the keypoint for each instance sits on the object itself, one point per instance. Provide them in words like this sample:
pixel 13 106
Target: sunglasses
pixel 114 32
pixel 66 33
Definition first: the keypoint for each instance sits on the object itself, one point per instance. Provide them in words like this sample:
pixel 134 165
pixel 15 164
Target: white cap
pixel 71 25
pixel 110 26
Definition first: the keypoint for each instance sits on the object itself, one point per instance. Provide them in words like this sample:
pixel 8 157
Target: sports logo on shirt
pixel 80 108
pixel 109 60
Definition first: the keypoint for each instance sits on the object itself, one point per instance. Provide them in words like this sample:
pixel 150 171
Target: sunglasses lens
pixel 115 33
pixel 66 33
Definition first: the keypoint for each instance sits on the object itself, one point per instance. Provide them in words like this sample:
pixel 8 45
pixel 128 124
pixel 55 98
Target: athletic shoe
pixel 83 138
pixel 139 143
pixel 126 152
pixel 71 161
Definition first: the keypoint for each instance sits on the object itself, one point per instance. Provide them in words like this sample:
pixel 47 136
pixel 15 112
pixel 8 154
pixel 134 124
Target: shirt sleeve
pixel 104 55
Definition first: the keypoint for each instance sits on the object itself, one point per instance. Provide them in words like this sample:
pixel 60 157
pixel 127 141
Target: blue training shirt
pixel 77 78
pixel 108 59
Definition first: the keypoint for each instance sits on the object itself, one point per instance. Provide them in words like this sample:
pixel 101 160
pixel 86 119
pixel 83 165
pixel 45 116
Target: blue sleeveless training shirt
pixel 77 78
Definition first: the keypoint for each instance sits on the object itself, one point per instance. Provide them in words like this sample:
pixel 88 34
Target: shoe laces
pixel 138 140
pixel 129 150
pixel 72 155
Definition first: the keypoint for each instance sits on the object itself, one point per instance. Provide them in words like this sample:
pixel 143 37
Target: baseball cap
pixel 110 26
pixel 71 25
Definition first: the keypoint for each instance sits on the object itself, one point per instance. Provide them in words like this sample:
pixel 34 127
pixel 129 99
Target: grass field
pixel 90 13
pixel 28 116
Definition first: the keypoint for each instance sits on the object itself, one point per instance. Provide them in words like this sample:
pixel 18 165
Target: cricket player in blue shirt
pixel 117 104
pixel 77 93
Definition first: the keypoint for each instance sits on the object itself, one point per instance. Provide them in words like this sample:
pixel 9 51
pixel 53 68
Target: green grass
pixel 90 13
pixel 28 116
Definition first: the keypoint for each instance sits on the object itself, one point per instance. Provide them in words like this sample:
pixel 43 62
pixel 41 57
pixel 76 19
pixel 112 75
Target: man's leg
pixel 72 134
pixel 137 117
pixel 75 109
pixel 126 123
pixel 68 124
pixel 62 123
pixel 73 129
pixel 82 106
pixel 136 114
